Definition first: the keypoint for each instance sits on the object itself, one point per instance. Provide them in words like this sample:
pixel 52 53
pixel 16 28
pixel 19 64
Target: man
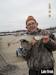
pixel 38 54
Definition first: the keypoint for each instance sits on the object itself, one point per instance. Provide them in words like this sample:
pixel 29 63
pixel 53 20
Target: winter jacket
pixel 39 56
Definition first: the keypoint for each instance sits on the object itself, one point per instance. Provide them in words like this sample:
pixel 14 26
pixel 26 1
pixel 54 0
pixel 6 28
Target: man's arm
pixel 49 43
pixel 52 44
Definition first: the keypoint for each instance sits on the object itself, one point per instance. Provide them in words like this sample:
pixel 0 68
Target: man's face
pixel 31 26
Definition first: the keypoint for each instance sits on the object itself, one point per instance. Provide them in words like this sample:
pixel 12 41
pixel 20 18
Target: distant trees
pixel 51 28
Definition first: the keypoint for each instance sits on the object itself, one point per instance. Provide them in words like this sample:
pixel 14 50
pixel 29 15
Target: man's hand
pixel 45 38
pixel 33 41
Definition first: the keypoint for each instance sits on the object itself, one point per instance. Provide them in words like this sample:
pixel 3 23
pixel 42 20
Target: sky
pixel 13 13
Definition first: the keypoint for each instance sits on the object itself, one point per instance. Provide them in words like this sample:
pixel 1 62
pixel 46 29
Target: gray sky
pixel 13 13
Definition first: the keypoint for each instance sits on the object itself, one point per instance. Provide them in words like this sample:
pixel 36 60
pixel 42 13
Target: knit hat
pixel 30 18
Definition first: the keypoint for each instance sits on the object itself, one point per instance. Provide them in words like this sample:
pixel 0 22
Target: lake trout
pixel 28 37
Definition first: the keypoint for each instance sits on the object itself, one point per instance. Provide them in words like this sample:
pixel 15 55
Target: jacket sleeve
pixel 52 36
pixel 52 42
pixel 51 45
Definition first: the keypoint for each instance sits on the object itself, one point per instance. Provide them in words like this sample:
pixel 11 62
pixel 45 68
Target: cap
pixel 30 18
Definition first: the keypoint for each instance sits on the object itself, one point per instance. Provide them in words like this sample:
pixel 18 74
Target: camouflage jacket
pixel 40 56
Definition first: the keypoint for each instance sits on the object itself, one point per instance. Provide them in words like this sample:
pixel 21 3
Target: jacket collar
pixel 35 32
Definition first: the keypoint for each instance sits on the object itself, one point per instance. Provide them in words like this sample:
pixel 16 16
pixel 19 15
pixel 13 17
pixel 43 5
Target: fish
pixel 29 38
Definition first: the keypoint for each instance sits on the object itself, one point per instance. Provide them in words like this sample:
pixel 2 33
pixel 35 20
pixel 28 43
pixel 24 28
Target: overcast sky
pixel 13 13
